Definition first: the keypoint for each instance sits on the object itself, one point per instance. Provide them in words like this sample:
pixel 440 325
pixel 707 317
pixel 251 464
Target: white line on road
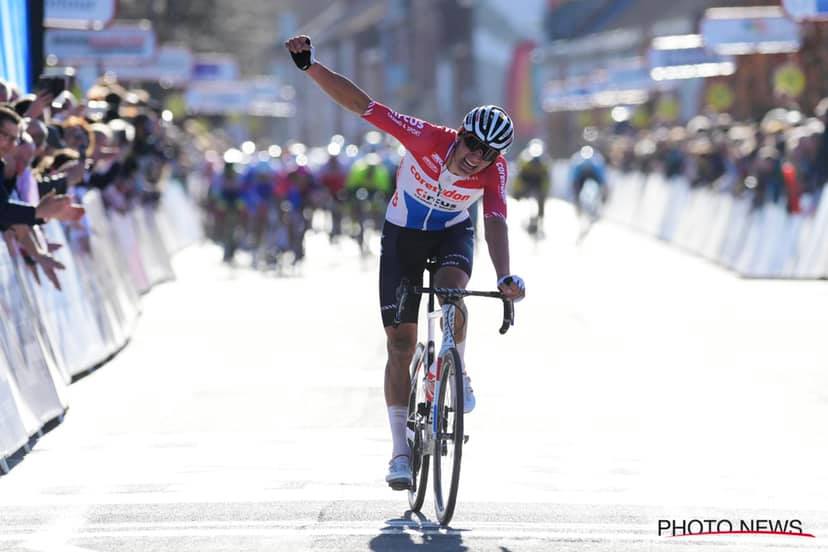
pixel 308 528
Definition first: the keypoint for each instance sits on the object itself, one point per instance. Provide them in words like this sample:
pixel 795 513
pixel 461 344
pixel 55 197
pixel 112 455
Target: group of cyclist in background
pixel 266 202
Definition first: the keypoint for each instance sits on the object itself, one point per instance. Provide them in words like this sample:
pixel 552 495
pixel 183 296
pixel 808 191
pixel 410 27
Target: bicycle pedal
pixel 399 485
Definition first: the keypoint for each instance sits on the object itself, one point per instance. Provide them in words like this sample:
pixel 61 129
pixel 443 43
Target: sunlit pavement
pixel 638 384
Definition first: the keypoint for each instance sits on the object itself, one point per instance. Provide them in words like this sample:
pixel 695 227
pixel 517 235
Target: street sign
pixel 172 66
pixel 123 43
pixel 72 14
pixel 215 67
pixel 252 97
pixel 789 80
pixel 720 97
pixel 802 10
pixel 750 30
pixel 684 57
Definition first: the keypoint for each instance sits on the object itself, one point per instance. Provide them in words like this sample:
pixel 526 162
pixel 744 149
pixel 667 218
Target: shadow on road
pixel 413 531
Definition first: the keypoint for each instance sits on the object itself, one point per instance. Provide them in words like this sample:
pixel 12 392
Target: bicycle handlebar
pixel 405 288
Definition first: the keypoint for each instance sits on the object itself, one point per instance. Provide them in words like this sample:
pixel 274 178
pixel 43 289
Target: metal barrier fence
pixel 48 337
pixel 755 241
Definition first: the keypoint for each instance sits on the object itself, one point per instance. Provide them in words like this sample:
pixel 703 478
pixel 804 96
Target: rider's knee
pixel 401 343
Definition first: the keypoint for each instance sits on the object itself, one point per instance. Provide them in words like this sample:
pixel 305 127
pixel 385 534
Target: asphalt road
pixel 638 385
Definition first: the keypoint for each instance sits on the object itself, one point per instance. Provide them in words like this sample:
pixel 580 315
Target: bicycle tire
pixel 419 461
pixel 448 443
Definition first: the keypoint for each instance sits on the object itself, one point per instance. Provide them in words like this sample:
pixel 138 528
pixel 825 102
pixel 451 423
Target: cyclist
pixel 533 181
pixel 368 187
pixel 332 176
pixel 587 163
pixel 441 174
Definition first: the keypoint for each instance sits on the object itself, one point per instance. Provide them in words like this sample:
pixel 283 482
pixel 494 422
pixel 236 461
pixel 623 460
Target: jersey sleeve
pixel 415 134
pixel 494 193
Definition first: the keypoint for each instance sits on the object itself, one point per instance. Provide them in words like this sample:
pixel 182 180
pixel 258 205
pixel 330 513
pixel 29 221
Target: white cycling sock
pixel 397 416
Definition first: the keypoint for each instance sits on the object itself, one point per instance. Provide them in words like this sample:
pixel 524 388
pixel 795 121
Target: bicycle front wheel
pixel 448 442
pixel 415 429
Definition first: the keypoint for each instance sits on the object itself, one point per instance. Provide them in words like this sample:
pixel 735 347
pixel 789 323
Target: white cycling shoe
pixel 469 401
pixel 399 473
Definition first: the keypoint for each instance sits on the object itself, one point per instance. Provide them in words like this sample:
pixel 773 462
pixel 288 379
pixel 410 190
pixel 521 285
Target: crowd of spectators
pixel 55 146
pixel 783 158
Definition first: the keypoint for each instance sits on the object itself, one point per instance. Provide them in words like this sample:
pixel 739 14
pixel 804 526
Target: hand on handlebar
pixel 512 287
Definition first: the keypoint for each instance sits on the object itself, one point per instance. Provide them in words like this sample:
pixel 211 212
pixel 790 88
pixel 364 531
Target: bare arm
pixel 497 238
pixel 340 88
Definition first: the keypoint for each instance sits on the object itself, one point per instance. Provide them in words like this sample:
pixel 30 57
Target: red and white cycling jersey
pixel 428 196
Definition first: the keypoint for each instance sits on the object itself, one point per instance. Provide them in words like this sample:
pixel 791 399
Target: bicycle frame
pixel 447 312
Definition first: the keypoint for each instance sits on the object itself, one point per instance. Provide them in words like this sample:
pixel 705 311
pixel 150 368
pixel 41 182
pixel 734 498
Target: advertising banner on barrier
pixel 83 336
pixel 84 323
pixel 155 256
pixel 126 235
pixel 755 241
pixel 49 307
pixel 32 369
pixel 108 266
pixel 179 214
pixel 13 431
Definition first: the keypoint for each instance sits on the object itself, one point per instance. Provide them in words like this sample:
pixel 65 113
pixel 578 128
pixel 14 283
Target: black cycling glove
pixel 303 60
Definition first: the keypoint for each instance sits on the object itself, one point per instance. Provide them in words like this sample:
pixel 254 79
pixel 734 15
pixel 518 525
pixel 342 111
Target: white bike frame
pixel 446 312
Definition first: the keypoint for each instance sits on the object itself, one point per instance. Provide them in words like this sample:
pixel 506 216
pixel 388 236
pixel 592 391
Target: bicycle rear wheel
pixel 448 444
pixel 414 430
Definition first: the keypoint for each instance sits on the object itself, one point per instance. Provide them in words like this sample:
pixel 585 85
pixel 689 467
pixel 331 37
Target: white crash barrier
pixel 48 337
pixel 29 354
pixel 760 242
pixel 16 422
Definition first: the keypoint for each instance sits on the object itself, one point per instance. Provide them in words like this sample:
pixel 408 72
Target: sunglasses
pixel 487 152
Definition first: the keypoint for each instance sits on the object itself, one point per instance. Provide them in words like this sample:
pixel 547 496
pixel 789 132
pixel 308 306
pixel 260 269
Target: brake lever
pixel 508 315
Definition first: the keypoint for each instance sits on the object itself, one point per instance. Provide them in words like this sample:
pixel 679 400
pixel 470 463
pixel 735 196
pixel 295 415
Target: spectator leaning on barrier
pixel 18 219
pixel 780 159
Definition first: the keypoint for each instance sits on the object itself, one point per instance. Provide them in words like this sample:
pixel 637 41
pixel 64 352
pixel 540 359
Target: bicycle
pixel 434 426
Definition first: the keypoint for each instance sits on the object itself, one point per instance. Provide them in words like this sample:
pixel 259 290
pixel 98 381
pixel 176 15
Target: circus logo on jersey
pixel 437 159
pixel 438 202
